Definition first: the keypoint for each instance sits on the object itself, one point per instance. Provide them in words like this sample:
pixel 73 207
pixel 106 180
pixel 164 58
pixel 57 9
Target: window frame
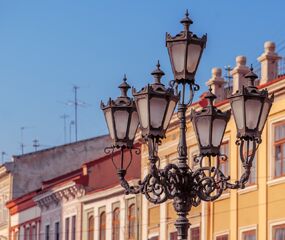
pixel 90 228
pixel 274 225
pixel 278 119
pixel 131 218
pixel 245 229
pixel 173 232
pixel 116 224
pixel 102 226
pixel 222 235
pixel 57 227
pixel 73 227
pixel 194 227
pixel 67 228
pixel 47 232
pixel 279 142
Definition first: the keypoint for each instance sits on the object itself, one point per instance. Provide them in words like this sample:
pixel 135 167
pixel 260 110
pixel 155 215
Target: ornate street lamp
pixel 121 117
pixel 185 50
pixel 155 105
pixel 210 125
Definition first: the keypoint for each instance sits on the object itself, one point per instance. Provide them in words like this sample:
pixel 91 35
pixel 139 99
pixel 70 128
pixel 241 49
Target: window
pixel 47 233
pixel 249 235
pixel 103 226
pixel 131 221
pixel 223 237
pixel 91 227
pixel 278 232
pixel 224 163
pixel 56 231
pixel 67 229
pixel 279 150
pixel 73 228
pixel 195 233
pixel 173 236
pixel 116 224
pixel 27 233
pixel 33 233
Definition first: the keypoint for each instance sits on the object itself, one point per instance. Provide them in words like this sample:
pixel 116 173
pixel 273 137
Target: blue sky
pixel 46 47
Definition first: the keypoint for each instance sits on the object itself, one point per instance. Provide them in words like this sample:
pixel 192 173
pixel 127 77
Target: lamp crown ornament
pixel 186 21
pixel 251 76
pixel 124 86
pixel 157 74
pixel 210 96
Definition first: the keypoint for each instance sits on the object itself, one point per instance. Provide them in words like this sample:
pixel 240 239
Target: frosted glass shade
pixel 169 114
pixel 157 111
pixel 252 112
pixel 109 120
pixel 265 112
pixel 237 107
pixel 218 129
pixel 142 107
pixel 134 125
pixel 193 55
pixel 121 122
pixel 203 128
pixel 178 56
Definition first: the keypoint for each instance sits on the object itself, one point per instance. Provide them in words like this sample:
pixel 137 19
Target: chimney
pixel 238 73
pixel 269 63
pixel 217 83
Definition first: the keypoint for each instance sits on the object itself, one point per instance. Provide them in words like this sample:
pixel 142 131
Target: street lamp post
pixel 152 109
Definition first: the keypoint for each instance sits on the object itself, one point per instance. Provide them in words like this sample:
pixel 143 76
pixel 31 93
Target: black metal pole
pixel 182 204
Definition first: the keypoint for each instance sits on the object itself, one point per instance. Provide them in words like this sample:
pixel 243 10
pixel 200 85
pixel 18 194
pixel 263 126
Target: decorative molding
pixel 53 198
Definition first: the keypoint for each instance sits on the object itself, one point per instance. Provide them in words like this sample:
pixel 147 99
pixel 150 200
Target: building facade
pixel 87 203
pixel 256 212
pixel 107 212
pixel 25 173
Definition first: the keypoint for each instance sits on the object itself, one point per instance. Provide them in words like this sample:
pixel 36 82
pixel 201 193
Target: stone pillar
pixel 217 83
pixel 238 73
pixel 269 63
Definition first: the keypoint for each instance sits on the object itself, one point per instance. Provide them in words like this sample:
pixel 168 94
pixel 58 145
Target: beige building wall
pixel 260 207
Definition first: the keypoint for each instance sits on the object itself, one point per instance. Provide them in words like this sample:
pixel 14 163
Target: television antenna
pixel 76 103
pixel 64 117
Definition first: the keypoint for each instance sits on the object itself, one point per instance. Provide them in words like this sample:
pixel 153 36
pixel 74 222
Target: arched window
pixel 91 228
pixel 103 226
pixel 131 221
pixel 116 224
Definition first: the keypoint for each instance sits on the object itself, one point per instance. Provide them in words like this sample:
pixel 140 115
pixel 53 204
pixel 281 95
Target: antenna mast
pixel 36 144
pixel 229 76
pixel 64 117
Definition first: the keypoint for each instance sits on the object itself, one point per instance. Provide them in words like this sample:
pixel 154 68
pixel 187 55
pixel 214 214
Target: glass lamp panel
pixel 252 111
pixel 264 114
pixel 157 111
pixel 218 129
pixel 237 107
pixel 178 56
pixel 109 120
pixel 121 122
pixel 134 125
pixel 193 55
pixel 203 127
pixel 143 112
pixel 169 114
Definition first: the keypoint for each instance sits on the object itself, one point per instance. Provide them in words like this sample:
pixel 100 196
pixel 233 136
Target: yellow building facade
pixel 256 212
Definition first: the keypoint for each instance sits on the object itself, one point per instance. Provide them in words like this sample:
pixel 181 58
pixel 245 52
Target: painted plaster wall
pixel 31 169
